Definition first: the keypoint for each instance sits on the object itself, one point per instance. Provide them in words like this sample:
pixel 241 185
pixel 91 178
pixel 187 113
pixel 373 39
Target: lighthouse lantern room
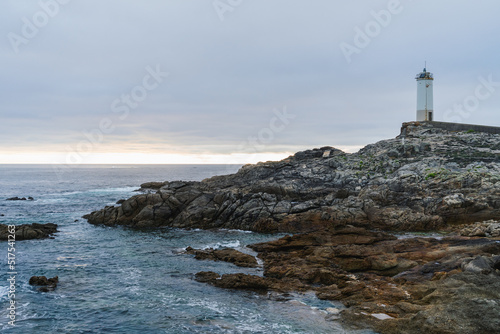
pixel 424 96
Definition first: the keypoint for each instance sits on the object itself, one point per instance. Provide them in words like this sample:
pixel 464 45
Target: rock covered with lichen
pixel 424 179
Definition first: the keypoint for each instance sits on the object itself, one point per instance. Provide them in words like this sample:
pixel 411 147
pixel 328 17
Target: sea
pixel 121 280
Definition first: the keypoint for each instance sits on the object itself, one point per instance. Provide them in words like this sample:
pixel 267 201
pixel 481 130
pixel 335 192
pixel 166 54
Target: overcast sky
pixel 234 80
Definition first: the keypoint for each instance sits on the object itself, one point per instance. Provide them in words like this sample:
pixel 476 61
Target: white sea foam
pixel 207 304
pixel 228 244
pixel 411 235
pixel 99 190
pixel 56 198
pixel 235 230
pixel 382 316
pixel 4 290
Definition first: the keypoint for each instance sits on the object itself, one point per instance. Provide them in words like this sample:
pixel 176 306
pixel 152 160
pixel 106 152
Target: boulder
pixel 481 265
pixel 29 231
pixel 46 284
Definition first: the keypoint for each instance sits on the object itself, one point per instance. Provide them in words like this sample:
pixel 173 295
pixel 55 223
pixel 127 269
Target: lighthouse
pixel 424 96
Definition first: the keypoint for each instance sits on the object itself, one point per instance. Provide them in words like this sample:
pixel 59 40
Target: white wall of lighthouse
pixel 425 98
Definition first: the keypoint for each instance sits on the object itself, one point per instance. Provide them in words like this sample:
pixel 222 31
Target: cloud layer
pixel 345 71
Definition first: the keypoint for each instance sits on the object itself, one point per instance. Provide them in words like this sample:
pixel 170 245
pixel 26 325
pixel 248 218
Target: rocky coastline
pixel 393 285
pixel 352 216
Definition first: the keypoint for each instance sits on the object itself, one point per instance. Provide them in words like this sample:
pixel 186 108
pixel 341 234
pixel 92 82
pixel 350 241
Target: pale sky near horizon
pixel 233 81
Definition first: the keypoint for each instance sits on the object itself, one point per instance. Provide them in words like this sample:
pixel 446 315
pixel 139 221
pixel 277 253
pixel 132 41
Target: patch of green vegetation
pixel 442 174
pixel 470 131
pixel 431 175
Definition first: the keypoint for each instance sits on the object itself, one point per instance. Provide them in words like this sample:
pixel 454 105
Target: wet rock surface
pixel 227 255
pixel 249 282
pixel 45 284
pixel 29 231
pixel 20 199
pixel 391 285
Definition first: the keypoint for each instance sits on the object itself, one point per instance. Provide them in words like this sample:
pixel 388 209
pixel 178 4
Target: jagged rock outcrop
pixel 425 179
pixel 28 231
pixel 227 255
pixel 249 282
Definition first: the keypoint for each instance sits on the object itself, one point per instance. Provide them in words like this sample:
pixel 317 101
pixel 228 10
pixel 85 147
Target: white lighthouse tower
pixel 424 96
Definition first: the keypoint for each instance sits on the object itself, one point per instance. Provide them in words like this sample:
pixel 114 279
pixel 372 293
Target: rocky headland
pixel 351 215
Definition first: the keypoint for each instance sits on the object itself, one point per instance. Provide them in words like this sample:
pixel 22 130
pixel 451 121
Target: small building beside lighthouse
pixel 425 107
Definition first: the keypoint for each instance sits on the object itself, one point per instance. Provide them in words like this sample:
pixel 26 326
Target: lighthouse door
pixel 430 116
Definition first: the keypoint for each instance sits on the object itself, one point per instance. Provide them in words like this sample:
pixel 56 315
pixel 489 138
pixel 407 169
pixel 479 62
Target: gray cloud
pixel 226 77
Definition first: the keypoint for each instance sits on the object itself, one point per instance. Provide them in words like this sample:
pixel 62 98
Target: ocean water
pixel 119 280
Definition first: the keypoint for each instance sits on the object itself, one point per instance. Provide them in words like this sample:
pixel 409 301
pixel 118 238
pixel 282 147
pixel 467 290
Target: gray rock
pixel 435 179
pixel 479 265
pixel 29 231
pixel 16 199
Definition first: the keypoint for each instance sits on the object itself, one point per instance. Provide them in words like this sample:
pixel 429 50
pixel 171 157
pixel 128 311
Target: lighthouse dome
pixel 424 75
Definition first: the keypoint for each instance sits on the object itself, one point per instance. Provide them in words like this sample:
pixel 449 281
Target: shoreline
pixel 427 180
